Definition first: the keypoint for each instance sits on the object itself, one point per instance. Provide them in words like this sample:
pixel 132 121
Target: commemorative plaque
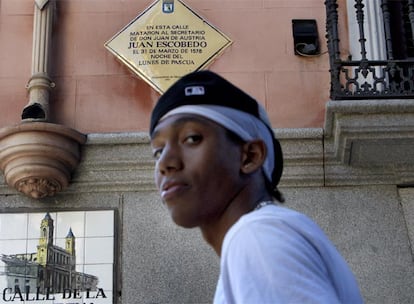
pixel 167 41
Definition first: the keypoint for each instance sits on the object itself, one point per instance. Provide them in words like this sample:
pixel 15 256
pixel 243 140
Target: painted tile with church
pixel 57 257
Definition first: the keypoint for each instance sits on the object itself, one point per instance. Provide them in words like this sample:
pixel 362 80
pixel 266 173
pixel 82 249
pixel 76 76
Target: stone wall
pixel 158 262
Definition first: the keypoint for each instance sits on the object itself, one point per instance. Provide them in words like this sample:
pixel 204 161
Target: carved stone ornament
pixel 38 187
pixel 38 158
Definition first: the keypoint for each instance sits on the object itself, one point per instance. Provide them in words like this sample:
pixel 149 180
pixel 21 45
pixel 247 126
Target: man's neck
pixel 214 232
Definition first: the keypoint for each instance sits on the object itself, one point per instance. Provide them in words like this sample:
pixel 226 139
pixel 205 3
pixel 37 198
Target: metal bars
pixel 366 78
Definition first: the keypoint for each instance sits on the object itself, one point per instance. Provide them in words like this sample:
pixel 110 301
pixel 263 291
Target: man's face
pixel 197 168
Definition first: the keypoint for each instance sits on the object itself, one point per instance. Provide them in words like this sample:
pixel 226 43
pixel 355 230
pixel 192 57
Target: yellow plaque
pixel 167 41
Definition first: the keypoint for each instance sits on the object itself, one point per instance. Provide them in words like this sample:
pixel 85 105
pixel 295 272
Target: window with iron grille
pixel 381 59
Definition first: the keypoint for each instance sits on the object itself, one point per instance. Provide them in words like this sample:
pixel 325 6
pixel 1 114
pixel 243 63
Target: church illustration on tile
pixel 51 269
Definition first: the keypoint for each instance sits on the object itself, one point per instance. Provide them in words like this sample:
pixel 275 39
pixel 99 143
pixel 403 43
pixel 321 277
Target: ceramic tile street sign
pixel 167 41
pixel 57 257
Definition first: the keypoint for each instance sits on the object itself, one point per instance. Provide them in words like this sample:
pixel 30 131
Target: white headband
pixel 245 125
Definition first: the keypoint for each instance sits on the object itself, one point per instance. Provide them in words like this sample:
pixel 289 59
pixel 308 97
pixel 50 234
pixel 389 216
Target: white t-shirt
pixel 277 255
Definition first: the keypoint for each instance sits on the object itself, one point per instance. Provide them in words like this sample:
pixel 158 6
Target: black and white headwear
pixel 207 94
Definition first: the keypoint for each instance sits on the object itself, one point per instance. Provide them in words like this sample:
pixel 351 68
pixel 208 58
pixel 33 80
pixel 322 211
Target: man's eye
pixel 193 139
pixel 157 153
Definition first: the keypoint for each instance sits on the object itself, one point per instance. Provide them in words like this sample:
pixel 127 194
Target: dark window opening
pixel 401 29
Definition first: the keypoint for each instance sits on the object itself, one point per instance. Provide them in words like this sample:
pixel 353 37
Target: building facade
pixel 341 100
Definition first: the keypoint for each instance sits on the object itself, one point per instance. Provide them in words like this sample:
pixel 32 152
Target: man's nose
pixel 170 160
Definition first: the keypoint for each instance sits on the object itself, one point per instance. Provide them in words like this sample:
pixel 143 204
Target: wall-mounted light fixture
pixel 305 37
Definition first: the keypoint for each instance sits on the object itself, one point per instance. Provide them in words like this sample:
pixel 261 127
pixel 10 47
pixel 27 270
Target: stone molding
pixel 303 157
pixel 339 155
pixel 122 162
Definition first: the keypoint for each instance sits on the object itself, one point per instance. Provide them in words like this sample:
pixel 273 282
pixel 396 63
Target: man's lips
pixel 172 188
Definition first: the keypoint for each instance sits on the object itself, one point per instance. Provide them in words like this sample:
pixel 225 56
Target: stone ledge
pixel 365 143
pixel 123 161
pixel 303 157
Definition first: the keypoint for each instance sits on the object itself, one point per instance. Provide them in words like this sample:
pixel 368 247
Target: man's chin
pixel 184 223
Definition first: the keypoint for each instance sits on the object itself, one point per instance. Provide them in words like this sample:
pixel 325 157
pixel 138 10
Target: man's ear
pixel 253 157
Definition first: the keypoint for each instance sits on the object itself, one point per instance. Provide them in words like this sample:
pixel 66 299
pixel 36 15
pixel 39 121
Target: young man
pixel 218 165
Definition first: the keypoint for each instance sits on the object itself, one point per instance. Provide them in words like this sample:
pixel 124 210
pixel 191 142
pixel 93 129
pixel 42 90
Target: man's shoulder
pixel 271 220
pixel 273 224
pixel 274 215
